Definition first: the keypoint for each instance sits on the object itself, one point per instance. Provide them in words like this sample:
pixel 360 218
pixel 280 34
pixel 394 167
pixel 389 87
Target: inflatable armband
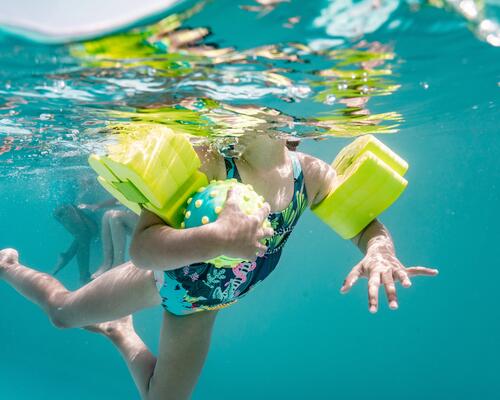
pixel 208 202
pixel 370 179
pixel 155 169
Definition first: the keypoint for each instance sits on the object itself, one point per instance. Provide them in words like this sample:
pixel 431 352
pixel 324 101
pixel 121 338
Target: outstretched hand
pixel 381 266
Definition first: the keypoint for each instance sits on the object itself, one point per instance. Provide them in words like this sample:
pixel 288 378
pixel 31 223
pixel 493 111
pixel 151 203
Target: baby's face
pixel 252 137
pixel 262 139
pixel 292 143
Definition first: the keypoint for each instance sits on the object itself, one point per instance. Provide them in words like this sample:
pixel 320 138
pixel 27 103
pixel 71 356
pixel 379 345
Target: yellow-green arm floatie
pixel 370 179
pixel 154 169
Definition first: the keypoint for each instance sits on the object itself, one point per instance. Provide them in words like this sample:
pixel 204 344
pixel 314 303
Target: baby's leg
pixel 140 361
pixel 115 294
pixel 184 345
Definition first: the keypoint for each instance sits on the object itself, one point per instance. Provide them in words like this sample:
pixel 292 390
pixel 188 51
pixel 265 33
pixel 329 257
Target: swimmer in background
pixel 117 224
pixel 79 218
pixel 168 267
pixel 84 230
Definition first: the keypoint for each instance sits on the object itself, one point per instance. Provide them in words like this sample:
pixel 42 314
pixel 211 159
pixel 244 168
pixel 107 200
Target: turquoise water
pixel 435 97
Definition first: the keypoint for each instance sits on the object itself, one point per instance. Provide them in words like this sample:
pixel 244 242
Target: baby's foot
pixel 114 329
pixel 8 259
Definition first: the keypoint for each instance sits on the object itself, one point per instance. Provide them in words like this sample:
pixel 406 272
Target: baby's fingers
pixel 233 197
pixel 402 276
pixel 263 212
pixel 390 290
pixel 351 279
pixel 373 286
pixel 261 250
pixel 266 233
pixel 422 271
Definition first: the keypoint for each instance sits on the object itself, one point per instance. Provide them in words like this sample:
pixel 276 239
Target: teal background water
pixel 296 337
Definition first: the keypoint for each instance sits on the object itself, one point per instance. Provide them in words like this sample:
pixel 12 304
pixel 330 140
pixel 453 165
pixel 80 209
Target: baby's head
pixel 292 143
pixel 236 146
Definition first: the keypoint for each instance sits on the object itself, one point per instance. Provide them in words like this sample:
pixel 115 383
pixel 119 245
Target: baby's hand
pixel 381 266
pixel 242 234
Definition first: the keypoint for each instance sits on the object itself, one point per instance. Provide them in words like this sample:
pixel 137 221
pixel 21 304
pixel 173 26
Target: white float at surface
pixel 61 21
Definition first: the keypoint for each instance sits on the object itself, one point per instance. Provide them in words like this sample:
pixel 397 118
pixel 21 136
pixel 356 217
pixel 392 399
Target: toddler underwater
pixel 169 266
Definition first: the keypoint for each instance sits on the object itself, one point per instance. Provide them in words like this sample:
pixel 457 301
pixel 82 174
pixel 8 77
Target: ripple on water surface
pixel 311 72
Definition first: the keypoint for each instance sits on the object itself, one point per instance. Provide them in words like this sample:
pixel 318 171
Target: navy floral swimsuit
pixel 202 286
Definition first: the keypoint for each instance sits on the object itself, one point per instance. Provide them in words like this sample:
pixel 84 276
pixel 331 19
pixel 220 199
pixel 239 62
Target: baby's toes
pixel 8 257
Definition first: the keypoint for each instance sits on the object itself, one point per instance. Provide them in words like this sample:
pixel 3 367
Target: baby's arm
pixel 157 246
pixel 319 177
pixel 380 264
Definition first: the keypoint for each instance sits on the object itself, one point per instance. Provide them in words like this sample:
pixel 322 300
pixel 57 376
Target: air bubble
pixel 300 92
pixel 46 117
pixel 59 85
pixel 330 99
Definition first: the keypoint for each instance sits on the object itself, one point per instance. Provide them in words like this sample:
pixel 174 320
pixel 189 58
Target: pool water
pixel 423 77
